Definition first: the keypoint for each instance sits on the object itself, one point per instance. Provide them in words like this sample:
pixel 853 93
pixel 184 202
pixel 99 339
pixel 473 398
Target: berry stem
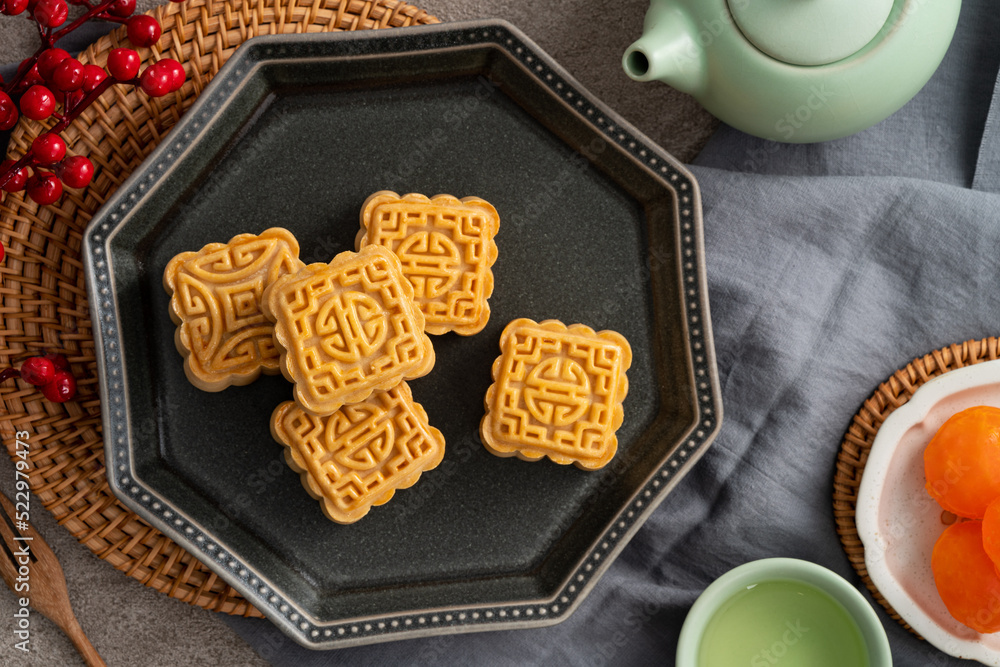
pixel 91 12
pixel 22 72
pixel 71 103
pixel 71 100
pixel 48 39
pixel 86 101
pixel 26 160
pixel 113 19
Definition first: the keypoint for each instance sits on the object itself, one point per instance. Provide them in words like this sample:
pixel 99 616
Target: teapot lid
pixel 810 32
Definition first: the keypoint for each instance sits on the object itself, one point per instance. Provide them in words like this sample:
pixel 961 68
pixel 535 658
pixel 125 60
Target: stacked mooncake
pixel 348 334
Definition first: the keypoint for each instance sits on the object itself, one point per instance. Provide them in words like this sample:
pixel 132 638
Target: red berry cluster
pixel 52 78
pixel 45 187
pixel 50 372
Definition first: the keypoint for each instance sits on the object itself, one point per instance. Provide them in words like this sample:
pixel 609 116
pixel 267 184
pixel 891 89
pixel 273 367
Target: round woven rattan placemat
pixel 858 440
pixel 44 296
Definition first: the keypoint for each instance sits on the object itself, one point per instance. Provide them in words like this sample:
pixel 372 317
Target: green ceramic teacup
pixel 782 612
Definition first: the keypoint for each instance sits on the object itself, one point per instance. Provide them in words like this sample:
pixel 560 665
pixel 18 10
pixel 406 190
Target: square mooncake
pixel 557 391
pixel 446 248
pixel 215 301
pixel 360 455
pixel 347 328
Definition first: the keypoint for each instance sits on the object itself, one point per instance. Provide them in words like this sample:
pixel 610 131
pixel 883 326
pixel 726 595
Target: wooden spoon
pixel 47 584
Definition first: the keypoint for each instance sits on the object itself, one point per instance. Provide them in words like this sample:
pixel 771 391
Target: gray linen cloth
pixel 829 267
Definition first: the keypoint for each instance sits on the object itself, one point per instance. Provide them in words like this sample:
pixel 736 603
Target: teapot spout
pixel 668 52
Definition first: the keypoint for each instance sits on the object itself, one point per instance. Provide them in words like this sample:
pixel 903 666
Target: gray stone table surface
pixel 130 624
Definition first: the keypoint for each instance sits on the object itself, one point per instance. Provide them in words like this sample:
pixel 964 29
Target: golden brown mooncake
pixel 360 455
pixel 215 301
pixel 347 328
pixel 446 248
pixel 557 391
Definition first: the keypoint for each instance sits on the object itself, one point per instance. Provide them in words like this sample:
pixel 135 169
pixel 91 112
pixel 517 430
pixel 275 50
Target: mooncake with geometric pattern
pixel 215 301
pixel 557 392
pixel 446 248
pixel 361 454
pixel 347 328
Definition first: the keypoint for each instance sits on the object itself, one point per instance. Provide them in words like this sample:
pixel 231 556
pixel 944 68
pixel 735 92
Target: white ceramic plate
pixel 897 520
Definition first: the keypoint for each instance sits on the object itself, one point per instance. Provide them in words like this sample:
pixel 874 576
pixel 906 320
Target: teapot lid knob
pixel 810 32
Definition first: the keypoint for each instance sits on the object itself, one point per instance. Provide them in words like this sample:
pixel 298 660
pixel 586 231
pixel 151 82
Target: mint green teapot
pixel 795 70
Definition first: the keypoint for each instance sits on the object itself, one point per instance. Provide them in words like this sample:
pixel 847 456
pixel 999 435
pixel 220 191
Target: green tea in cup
pixel 782 612
pixel 782 622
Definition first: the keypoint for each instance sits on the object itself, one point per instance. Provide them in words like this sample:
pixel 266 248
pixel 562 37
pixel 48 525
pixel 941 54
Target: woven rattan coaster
pixel 45 299
pixel 858 440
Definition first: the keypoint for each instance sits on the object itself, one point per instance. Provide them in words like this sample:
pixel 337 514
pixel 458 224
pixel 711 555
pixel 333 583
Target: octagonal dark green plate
pixel 598 226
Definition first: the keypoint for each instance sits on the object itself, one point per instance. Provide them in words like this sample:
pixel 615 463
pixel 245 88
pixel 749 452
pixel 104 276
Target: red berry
pixel 13 7
pixel 3 251
pixel 32 76
pixel 156 81
pixel 38 371
pixel 176 71
pixel 48 148
pixel 62 388
pixel 38 103
pixel 44 188
pixel 92 77
pixel 17 180
pixel 49 60
pixel 8 112
pixel 122 8
pixel 76 171
pixel 143 30
pixel 123 64
pixel 68 75
pixel 51 13
pixel 58 360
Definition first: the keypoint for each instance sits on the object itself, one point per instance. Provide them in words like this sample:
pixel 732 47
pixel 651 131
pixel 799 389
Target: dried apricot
pixel 962 462
pixel 966 578
pixel 991 532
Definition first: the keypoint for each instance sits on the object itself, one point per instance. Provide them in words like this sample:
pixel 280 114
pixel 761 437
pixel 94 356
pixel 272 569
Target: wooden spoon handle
pixel 76 635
